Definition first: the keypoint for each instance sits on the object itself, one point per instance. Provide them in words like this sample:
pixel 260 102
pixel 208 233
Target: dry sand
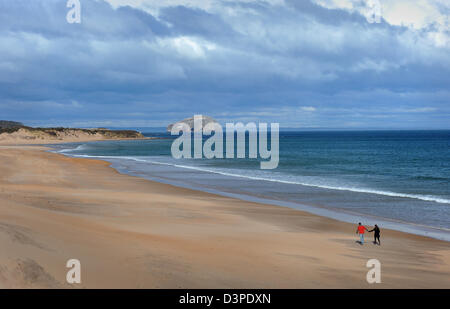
pixel 132 233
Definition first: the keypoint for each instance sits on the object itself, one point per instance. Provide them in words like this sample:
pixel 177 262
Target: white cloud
pixel 374 65
pixel 153 6
pixel 186 46
pixel 308 108
pixel 416 110
pixel 417 14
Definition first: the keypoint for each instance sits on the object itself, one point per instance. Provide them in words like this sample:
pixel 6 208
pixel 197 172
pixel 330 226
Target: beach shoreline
pixel 48 142
pixel 182 175
pixel 134 233
pixel 333 213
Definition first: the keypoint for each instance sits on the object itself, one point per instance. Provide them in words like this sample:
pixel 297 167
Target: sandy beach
pixel 128 232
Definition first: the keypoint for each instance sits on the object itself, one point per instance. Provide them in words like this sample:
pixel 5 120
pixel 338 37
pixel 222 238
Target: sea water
pixel 398 178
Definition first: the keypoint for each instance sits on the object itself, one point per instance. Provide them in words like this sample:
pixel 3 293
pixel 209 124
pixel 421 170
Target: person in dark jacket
pixel 376 235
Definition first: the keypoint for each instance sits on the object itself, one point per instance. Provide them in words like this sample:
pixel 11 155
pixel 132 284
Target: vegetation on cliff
pixel 19 131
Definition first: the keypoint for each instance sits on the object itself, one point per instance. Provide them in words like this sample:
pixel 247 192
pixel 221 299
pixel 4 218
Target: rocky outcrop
pixel 190 122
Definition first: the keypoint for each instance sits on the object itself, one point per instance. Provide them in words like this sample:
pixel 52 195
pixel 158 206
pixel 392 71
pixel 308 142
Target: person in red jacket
pixel 360 230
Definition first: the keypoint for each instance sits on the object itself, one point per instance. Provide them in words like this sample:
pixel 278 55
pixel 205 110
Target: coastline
pixel 323 211
pixel 40 142
pixel 146 169
pixel 132 232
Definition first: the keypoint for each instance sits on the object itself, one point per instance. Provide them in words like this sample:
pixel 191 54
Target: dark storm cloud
pixel 299 64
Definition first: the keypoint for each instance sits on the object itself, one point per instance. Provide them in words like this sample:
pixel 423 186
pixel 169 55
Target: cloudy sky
pixel 302 63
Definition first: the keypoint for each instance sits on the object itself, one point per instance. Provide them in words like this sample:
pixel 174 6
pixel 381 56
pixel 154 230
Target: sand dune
pixel 132 233
pixel 33 136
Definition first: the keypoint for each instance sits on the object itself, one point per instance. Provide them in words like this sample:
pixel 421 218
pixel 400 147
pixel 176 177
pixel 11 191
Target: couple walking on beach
pixel 361 229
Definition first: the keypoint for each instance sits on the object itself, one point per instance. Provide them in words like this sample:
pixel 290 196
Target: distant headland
pixel 12 132
pixel 190 122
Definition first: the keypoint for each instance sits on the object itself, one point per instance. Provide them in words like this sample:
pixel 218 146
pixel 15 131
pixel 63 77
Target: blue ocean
pixel 398 179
